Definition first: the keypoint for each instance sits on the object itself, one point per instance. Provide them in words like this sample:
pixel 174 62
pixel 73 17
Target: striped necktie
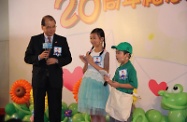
pixel 49 39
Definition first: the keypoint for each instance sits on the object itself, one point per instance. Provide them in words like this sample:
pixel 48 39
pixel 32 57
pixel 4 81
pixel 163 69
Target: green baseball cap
pixel 123 46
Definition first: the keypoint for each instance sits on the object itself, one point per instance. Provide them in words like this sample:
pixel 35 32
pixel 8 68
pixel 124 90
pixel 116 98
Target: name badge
pixel 57 51
pixel 97 60
pixel 123 74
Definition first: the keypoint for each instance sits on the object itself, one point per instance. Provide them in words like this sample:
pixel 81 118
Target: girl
pixel 93 93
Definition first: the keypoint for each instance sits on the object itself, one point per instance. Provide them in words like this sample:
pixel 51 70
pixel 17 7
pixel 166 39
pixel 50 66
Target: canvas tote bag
pixel 119 104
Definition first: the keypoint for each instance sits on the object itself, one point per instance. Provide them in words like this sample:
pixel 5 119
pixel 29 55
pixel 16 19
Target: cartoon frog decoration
pixel 174 100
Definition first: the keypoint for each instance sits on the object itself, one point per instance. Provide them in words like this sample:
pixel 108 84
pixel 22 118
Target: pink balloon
pixel 71 78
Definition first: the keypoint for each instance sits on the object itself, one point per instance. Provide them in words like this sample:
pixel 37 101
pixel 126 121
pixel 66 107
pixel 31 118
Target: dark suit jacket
pixel 40 69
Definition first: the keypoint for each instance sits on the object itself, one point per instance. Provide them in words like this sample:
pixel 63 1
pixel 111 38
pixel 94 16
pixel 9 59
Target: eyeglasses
pixel 51 27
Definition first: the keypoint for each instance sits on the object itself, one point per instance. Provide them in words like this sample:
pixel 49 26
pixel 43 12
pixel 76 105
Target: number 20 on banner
pixel 69 17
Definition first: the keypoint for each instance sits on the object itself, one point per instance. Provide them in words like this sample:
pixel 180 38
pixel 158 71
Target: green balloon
pixel 78 117
pixel 73 107
pixel 46 118
pixel 15 116
pixel 26 118
pixel 31 107
pixel 165 119
pixel 87 117
pixel 47 112
pixel 63 114
pixel 10 109
pixel 22 106
pixel 7 117
pixel 70 119
pixel 138 111
pixel 22 110
pixel 139 115
pixel 64 106
pixel 21 114
pixel 153 115
pixel 107 118
pixel 65 119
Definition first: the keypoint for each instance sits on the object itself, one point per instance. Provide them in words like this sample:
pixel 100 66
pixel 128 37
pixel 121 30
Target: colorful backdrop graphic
pixel 71 78
pixel 157 30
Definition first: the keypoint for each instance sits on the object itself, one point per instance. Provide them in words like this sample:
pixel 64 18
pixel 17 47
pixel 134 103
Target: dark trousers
pixel 54 103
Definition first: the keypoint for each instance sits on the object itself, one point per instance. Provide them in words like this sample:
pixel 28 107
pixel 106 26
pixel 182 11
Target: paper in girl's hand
pixel 104 73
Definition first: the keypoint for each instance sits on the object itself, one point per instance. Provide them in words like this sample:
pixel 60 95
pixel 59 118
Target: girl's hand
pixel 89 58
pixel 83 59
pixel 106 78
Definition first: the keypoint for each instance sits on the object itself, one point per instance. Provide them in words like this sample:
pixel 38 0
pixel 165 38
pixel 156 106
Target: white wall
pixel 4 54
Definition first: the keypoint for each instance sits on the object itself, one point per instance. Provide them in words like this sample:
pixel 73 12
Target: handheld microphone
pixel 47 46
pixel 105 83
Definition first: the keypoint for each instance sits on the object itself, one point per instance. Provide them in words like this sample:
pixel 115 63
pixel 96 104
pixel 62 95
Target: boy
pixel 125 78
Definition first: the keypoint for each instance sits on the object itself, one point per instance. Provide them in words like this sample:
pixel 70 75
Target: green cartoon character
pixel 174 100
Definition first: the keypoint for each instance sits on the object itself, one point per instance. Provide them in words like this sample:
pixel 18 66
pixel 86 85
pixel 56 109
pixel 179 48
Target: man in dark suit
pixel 47 69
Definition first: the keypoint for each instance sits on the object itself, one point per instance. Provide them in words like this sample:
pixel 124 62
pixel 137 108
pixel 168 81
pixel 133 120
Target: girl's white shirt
pixel 91 72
